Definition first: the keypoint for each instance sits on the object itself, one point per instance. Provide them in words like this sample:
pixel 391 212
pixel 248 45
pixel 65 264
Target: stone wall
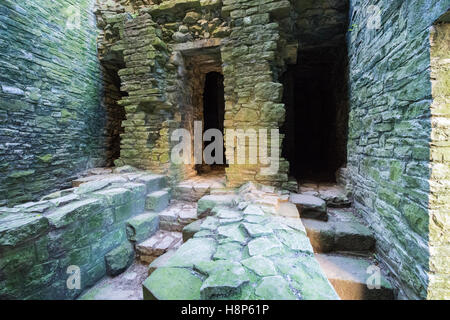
pixel 52 122
pixel 253 93
pixel 390 131
pixel 89 227
pixel 165 47
pixel 439 239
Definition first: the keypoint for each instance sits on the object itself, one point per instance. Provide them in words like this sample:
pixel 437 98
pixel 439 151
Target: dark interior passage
pixel 214 106
pixel 213 101
pixel 115 112
pixel 315 95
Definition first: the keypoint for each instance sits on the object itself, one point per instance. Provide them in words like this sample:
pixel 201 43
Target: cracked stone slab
pixel 225 278
pixel 257 230
pixel 229 251
pixel 260 265
pixel 232 232
pixel 264 246
pixel 186 287
pixel 275 288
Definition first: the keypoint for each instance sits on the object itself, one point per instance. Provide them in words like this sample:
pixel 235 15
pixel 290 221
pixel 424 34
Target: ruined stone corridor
pixel 224 150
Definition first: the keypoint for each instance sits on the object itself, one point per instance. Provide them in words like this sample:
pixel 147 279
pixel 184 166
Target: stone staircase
pixel 342 243
pixel 173 216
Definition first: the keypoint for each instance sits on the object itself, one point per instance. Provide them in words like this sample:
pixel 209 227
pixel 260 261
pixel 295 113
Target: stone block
pixel 225 278
pixel 115 197
pixel 157 201
pixel 349 276
pixel 153 182
pixel 119 259
pixel 74 211
pixel 191 229
pixel 142 226
pixel 124 212
pixel 19 228
pixel 208 202
pixel 310 206
pixel 172 284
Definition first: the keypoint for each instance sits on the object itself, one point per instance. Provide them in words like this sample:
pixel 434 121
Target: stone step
pixel 333 194
pixel 355 278
pixel 161 242
pixel 161 261
pixel 157 201
pixel 177 215
pixel 310 206
pixel 142 227
pixel 191 229
pixel 195 188
pixel 153 182
pixel 343 232
pixel 207 203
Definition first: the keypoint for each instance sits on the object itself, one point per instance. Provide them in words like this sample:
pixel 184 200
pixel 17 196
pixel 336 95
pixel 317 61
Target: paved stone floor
pixel 251 248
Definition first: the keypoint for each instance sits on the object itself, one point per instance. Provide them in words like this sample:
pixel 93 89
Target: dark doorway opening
pixel 213 112
pixel 115 113
pixel 315 96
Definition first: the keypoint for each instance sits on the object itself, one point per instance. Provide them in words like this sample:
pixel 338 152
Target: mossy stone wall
pixel 51 115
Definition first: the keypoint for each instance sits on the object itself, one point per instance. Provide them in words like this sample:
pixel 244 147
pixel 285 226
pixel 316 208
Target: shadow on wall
pixel 316 99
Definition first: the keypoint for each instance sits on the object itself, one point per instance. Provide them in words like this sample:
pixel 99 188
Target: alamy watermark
pixel 242 147
pixel 74 280
pixel 374 279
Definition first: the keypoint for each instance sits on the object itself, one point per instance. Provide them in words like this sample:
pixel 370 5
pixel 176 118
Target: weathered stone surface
pixel 257 230
pixel 157 201
pixel 233 232
pixel 208 202
pixel 254 210
pixel 321 234
pixel 264 246
pixel 172 284
pixel 353 236
pixel 275 288
pixel 152 182
pixel 191 229
pixel 142 226
pixel 161 261
pixel 119 259
pixel 225 278
pixel 310 206
pixel 229 251
pixel 307 277
pixel 192 252
pixel 15 230
pixel 92 186
pixel 73 212
pixel 260 265
pixel 115 197
pixel 232 265
pixel 350 278
pixel 81 229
